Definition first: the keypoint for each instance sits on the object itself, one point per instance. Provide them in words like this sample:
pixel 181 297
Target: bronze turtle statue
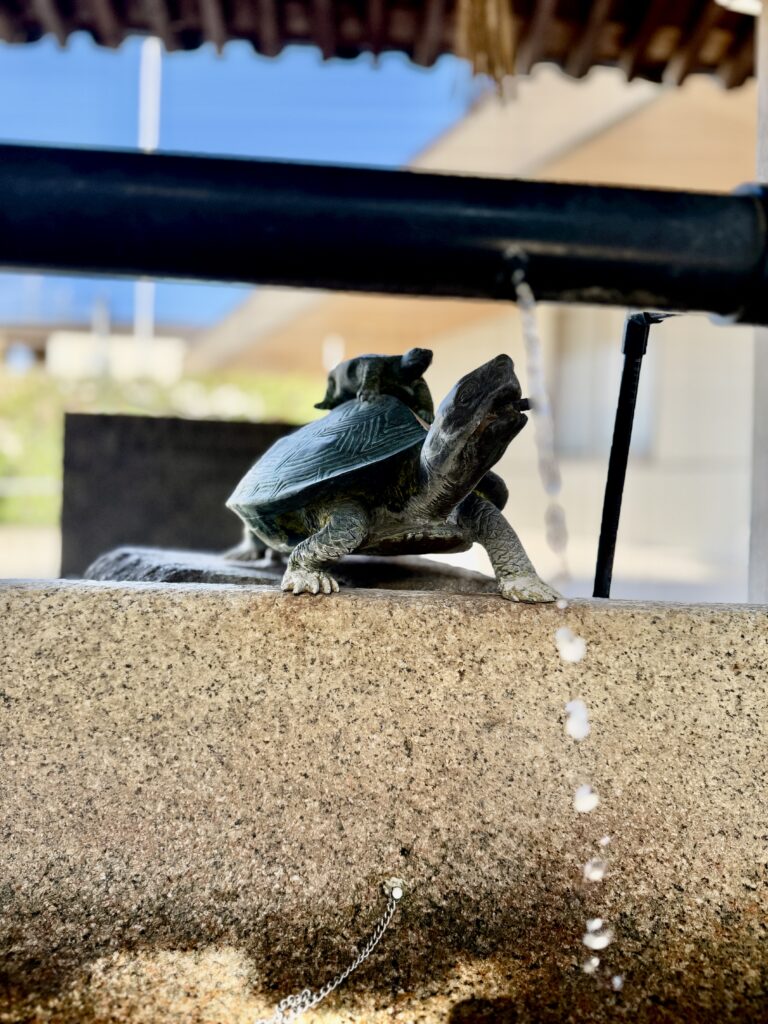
pixel 370 478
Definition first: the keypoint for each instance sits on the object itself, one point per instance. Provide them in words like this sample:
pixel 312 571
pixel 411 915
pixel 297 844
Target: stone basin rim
pixel 248 591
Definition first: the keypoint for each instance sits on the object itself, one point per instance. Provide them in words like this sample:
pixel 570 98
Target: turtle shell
pixel 351 437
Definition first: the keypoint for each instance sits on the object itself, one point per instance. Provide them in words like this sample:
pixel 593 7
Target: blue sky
pixel 294 107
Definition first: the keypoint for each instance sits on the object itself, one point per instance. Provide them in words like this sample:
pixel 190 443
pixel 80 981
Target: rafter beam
pixel 533 42
pixel 243 22
pixel 376 16
pixel 582 53
pixel 685 59
pixel 430 33
pixel 324 27
pixel 213 23
pixel 8 30
pixel 740 62
pixel 269 29
pixel 49 17
pixel 634 49
pixel 107 24
pixel 159 22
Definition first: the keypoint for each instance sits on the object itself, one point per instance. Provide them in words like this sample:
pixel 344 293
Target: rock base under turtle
pixel 158 565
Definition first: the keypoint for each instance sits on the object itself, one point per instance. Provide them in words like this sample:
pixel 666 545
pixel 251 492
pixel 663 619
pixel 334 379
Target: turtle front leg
pixel 517 578
pixel 343 533
pixel 370 382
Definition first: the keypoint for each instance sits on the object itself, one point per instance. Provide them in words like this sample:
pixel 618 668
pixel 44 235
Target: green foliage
pixel 32 408
pixel 31 425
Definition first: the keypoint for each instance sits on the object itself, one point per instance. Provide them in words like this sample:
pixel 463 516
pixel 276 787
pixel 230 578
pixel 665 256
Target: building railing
pixel 406 232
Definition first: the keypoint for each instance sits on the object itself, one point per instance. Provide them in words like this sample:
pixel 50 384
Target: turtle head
pixel 415 363
pixel 472 428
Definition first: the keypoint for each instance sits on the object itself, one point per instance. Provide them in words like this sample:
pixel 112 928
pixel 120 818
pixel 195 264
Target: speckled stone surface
pixel 202 788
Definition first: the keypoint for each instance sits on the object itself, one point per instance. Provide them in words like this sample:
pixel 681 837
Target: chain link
pixel 293 1006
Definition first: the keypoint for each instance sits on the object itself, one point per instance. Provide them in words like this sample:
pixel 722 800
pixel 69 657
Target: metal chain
pixel 292 1007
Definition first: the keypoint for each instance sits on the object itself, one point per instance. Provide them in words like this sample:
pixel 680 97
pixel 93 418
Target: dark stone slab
pixel 155 481
pixel 152 565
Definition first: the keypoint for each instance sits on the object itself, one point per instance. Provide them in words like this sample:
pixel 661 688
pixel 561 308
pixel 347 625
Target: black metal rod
pixel 636 330
pixel 105 212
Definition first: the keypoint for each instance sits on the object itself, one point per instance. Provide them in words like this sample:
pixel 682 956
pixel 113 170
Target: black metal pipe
pixel 636 330
pixel 122 213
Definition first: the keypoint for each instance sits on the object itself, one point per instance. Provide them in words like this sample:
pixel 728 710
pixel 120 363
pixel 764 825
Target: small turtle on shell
pixel 366 377
pixel 369 478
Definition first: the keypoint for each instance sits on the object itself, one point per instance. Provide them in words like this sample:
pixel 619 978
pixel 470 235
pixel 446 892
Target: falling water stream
pixel 543 423
pixel 598 934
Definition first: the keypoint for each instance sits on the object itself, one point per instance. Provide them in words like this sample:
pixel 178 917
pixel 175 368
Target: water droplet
pixel 561 604
pixel 585 799
pixel 595 869
pixel 598 940
pixel 617 982
pixel 577 723
pixel 590 966
pixel 605 841
pixel 594 924
pixel 570 647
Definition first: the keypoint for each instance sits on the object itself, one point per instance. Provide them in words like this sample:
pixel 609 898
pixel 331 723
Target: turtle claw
pixel 328 584
pixel 309 581
pixel 527 589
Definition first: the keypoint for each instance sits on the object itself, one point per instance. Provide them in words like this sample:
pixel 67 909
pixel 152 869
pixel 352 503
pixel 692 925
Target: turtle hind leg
pixel 516 576
pixel 345 530
pixel 250 549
